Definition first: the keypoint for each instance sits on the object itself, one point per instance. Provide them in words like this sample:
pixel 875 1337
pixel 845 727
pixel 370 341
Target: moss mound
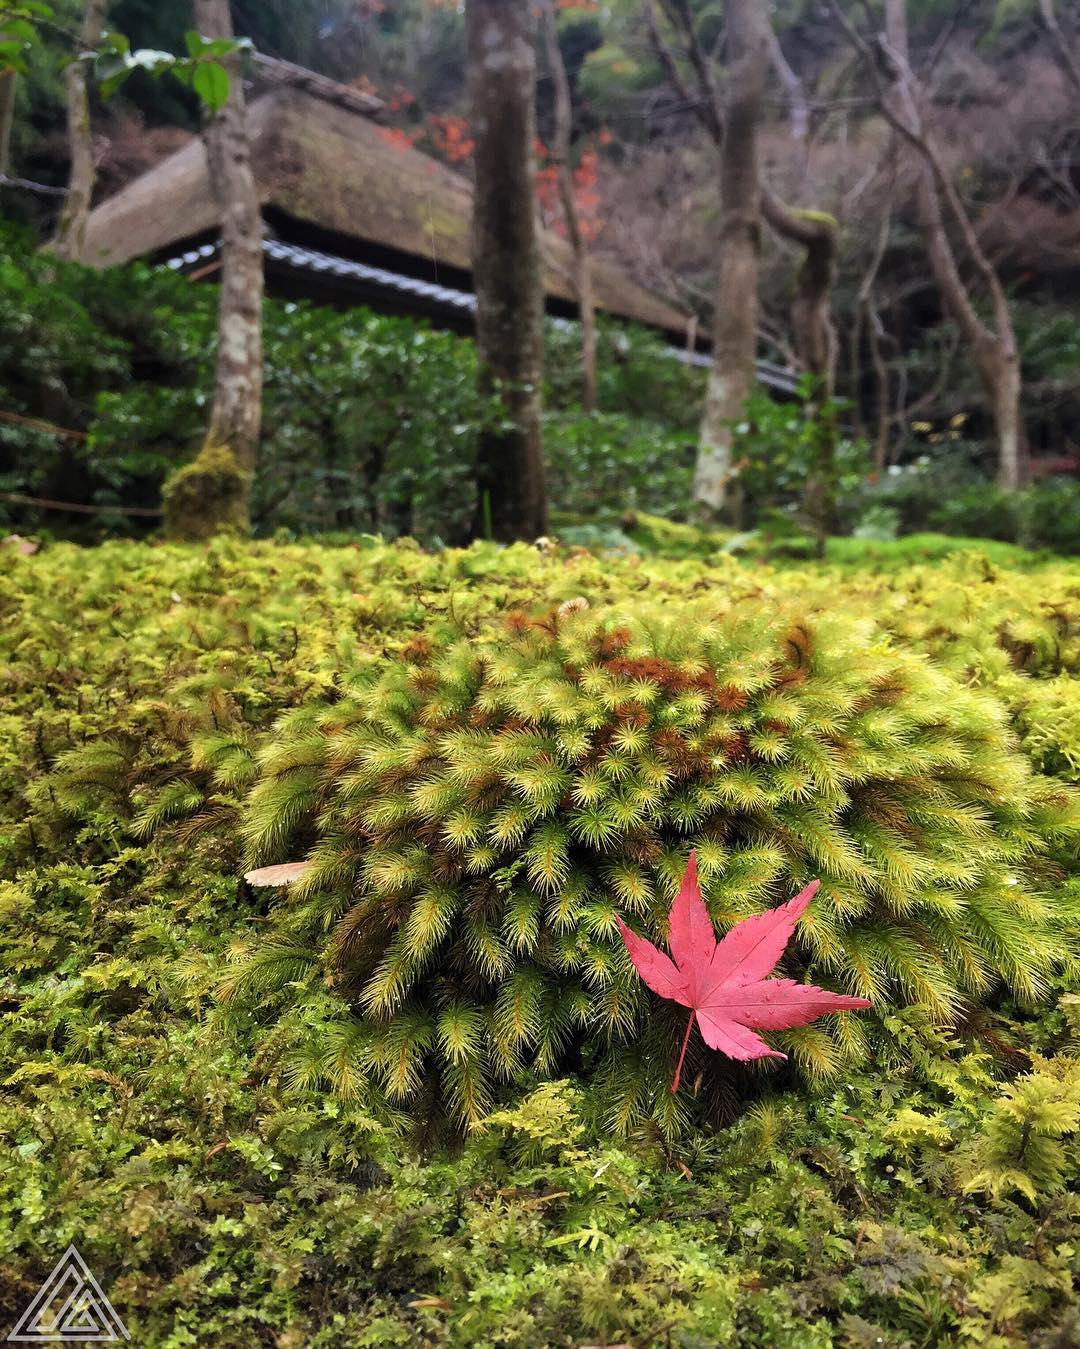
pixel 207 496
pixel 477 812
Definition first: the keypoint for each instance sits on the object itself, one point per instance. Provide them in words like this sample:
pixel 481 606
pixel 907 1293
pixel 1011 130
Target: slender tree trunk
pixel 993 351
pixel 816 346
pixel 1008 424
pixel 867 321
pixel 815 232
pixel 214 492
pixel 71 229
pixel 565 177
pixel 501 67
pixel 8 86
pixel 992 347
pixel 717 491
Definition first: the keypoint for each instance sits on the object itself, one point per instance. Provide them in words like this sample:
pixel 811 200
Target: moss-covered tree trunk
pixel 213 493
pixel 71 229
pixel 501 67
pixel 717 493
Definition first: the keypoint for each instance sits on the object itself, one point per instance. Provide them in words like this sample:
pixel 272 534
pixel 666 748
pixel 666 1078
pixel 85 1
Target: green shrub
pixel 1050 517
pixel 877 523
pixel 781 446
pixel 982 510
pixel 951 495
pixel 609 463
pixel 369 422
pixel 476 814
pixel 637 376
pixel 914 489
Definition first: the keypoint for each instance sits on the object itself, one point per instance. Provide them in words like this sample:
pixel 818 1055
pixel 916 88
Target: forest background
pixel 918 448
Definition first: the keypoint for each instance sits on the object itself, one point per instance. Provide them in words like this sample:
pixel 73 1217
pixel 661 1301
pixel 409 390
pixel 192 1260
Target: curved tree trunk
pixel 992 346
pixel 501 67
pixel 717 492
pixel 214 492
pixel 815 344
pixel 994 351
pixel 561 156
pixel 71 229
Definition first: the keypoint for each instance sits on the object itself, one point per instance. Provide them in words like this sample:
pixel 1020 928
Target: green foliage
pixel 35 40
pixel 1049 516
pixel 947 494
pixel 370 422
pixel 608 463
pixel 982 510
pixel 20 31
pixel 1021 1146
pixel 637 376
pixel 781 445
pixel 201 70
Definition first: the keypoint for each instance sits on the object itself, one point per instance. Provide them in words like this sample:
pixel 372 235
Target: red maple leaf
pixel 724 983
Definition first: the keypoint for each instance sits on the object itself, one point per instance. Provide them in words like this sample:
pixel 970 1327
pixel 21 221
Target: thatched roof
pixel 331 177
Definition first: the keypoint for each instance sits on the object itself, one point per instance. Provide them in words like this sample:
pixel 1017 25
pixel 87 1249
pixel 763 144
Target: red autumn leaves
pixel 725 983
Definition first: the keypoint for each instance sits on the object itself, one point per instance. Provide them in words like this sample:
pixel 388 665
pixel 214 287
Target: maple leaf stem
pixel 682 1055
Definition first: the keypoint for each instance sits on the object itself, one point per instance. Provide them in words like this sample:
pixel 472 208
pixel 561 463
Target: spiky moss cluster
pixel 477 813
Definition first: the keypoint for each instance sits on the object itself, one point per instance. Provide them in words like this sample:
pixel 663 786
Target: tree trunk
pixel 561 156
pixel 214 492
pixel 8 86
pixel 71 230
pixel 501 69
pixel 717 493
pixel 867 321
pixel 1000 374
pixel 993 349
pixel 815 344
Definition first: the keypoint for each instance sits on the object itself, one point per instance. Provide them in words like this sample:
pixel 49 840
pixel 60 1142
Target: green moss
pixel 220 1171
pixel 480 811
pixel 818 217
pixel 209 496
pixel 672 538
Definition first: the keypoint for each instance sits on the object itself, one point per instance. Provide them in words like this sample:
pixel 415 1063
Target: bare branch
pixel 799 108
pixel 706 110
pixel 1068 58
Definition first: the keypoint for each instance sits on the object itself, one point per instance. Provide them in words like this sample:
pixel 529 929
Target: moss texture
pixel 209 496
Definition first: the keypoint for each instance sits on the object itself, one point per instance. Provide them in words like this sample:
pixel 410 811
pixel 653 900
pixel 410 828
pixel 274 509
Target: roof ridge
pixel 273 71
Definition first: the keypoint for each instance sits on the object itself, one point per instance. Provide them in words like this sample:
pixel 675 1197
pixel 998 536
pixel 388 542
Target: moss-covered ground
pixel 224 1173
